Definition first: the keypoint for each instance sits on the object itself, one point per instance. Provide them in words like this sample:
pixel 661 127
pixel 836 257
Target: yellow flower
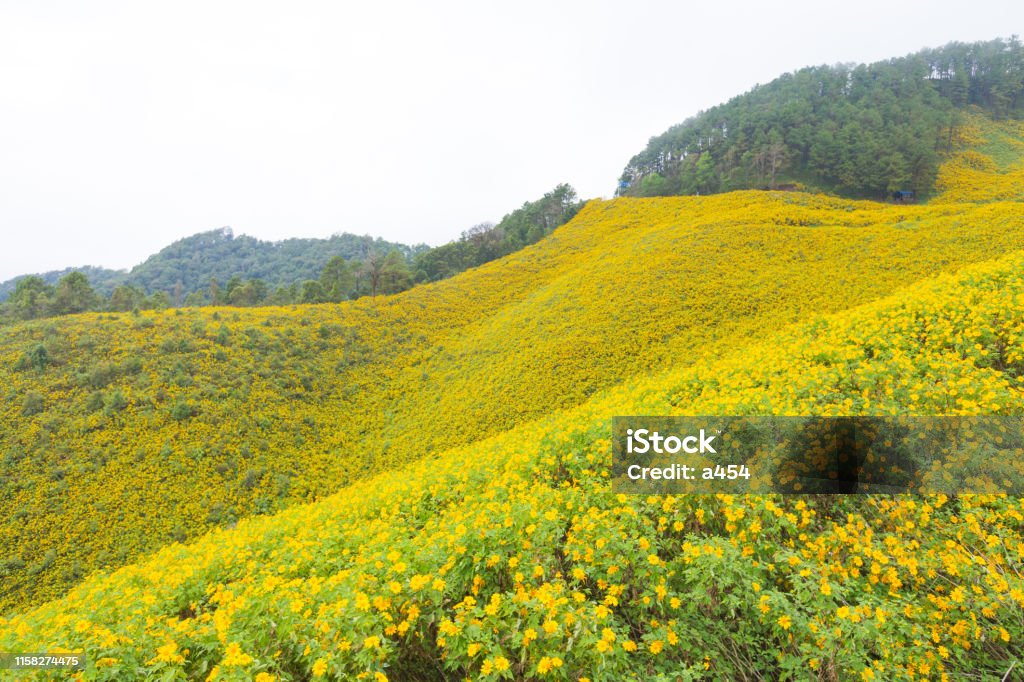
pixel 234 656
pixel 168 653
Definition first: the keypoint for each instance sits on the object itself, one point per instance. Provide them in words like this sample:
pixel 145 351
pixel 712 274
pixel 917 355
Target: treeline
pixel 862 131
pixel 342 278
pixel 339 280
pixel 483 243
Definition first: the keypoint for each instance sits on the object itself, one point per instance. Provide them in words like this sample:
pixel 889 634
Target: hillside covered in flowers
pixel 414 487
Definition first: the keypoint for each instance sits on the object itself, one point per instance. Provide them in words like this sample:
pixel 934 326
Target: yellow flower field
pixel 416 487
pixel 508 558
pixel 988 164
pixel 156 427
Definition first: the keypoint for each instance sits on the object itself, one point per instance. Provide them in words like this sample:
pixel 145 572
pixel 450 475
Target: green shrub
pixel 34 403
pixel 183 410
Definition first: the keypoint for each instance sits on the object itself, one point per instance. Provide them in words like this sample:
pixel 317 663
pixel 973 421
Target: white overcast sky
pixel 125 126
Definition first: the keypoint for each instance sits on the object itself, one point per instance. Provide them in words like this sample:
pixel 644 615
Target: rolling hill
pixel 132 431
pixel 510 558
pixel 414 487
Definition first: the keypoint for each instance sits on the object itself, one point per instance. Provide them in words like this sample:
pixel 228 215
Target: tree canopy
pixel 486 242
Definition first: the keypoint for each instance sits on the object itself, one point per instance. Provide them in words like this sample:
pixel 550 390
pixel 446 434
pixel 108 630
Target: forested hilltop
pixel 863 131
pixel 219 268
pixel 189 265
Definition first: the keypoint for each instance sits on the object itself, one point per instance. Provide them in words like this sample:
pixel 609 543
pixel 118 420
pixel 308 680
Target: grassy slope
pixel 988 164
pixel 510 550
pixel 291 404
pixel 429 352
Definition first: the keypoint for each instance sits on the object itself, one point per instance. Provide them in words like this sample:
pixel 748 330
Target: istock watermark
pixel 818 455
pixel 642 441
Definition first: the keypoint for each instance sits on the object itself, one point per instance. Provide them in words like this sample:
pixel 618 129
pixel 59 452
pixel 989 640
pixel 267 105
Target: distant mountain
pixel 219 254
pixel 103 280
